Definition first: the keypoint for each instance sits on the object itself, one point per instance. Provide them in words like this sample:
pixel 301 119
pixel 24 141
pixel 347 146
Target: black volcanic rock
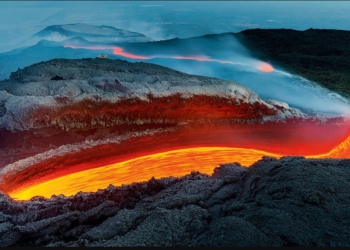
pixel 288 202
pixel 56 78
pixel 320 55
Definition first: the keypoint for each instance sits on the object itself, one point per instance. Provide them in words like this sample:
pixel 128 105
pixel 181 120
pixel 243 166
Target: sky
pixel 168 19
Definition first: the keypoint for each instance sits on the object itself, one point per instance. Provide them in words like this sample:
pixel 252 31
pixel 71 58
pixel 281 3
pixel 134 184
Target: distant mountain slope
pixel 317 54
pixel 91 33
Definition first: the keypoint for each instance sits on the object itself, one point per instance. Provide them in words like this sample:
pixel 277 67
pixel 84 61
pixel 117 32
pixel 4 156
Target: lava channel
pixel 174 154
pixel 174 163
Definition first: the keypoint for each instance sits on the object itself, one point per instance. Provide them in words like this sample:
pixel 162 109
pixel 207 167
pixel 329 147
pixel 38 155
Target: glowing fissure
pixel 120 51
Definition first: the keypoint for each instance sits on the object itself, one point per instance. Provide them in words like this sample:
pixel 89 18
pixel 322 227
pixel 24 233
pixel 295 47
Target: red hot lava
pixel 116 51
pixel 120 52
pixel 265 67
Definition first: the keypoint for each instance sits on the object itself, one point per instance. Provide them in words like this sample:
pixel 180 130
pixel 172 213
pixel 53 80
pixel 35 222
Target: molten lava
pixel 201 147
pixel 174 163
pixel 119 51
pixel 116 50
pixel 171 163
pixel 265 67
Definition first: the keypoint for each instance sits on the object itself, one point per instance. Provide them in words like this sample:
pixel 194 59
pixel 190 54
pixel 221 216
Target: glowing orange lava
pixel 171 163
pixel 266 67
pixel 341 151
pixel 116 51
pixel 119 51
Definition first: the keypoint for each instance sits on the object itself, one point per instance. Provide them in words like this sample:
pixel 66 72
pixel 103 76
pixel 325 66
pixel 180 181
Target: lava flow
pixel 155 158
pixel 174 163
pixel 202 134
pixel 265 67
pixel 120 52
pixel 116 50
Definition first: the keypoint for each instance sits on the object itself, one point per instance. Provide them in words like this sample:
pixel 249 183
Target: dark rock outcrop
pixel 57 78
pixel 288 202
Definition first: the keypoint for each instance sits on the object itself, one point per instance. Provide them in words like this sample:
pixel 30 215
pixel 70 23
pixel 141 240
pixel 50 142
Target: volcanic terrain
pixel 92 125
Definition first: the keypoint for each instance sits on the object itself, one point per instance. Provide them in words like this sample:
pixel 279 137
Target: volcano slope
pixel 68 116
